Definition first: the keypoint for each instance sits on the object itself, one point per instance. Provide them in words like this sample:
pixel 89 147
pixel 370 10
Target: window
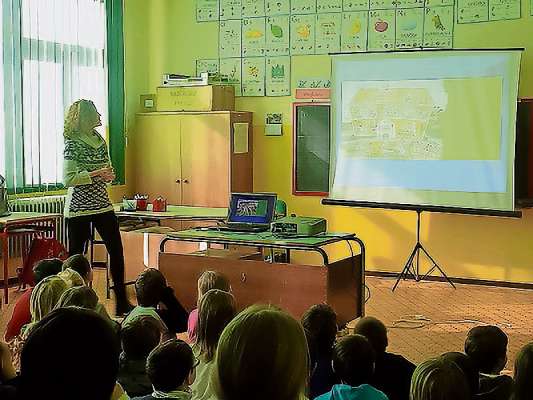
pixel 54 55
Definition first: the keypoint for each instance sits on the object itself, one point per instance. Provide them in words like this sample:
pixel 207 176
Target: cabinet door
pixel 205 159
pixel 157 162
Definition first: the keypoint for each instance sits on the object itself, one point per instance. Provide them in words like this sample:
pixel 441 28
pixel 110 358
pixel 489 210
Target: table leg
pixel 5 256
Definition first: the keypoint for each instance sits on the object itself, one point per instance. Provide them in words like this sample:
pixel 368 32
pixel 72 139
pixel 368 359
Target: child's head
pixel 79 296
pixel 466 365
pixel 149 286
pixel 487 347
pixel 140 337
pixel 217 309
pixel 169 365
pixel 46 268
pixel 353 360
pixel 262 355
pixel 523 372
pixel 45 296
pixel 81 265
pixel 375 331
pixel 320 326
pixel 439 379
pixel 212 280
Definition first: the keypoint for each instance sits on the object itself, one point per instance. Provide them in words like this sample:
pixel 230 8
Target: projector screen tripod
pixel 412 266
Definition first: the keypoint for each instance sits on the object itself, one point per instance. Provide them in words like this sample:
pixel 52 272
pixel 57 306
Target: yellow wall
pixel 162 36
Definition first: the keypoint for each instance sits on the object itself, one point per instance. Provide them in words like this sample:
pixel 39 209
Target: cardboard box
pixel 196 98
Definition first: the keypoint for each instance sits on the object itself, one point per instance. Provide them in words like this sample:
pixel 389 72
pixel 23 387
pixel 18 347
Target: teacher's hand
pixel 106 174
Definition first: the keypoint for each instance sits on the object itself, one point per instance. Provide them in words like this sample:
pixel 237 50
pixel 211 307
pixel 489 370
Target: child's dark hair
pixel 320 327
pixel 217 309
pixel 523 371
pixel 375 331
pixel 78 263
pixel 169 364
pixel 353 360
pixel 46 268
pixel 149 286
pixel 487 347
pixel 140 337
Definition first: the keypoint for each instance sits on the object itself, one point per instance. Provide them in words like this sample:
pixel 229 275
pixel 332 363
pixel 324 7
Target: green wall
pixel 162 36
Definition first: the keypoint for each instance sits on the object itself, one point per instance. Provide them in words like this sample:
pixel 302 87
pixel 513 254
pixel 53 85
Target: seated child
pixel 151 290
pixel 468 368
pixel 21 312
pixel 523 371
pixel 439 378
pixel 487 347
pixel 392 372
pixel 81 265
pixel 217 309
pixel 170 367
pixel 320 326
pixel 207 281
pixel 353 364
pixel 138 339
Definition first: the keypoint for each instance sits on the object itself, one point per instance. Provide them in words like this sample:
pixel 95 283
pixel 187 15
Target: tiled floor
pixel 451 313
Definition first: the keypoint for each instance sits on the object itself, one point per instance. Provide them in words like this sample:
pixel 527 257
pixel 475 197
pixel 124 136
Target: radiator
pixel 45 204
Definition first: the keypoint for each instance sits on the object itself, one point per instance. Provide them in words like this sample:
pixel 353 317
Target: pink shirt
pixel 192 325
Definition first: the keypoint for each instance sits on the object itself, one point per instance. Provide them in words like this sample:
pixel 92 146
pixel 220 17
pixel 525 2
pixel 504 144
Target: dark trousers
pixel 106 224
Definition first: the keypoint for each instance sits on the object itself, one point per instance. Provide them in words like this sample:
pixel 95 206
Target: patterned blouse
pixel 86 195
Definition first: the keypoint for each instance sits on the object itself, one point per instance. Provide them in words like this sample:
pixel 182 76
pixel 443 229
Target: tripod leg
pixel 435 266
pixel 407 269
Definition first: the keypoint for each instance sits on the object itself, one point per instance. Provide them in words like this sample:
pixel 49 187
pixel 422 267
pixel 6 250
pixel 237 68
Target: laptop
pixel 250 212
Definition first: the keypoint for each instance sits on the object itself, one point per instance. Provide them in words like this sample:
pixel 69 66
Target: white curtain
pixel 54 54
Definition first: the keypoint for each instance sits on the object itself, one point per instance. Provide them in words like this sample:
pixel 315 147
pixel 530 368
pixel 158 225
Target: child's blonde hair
pixel 262 355
pixel 212 280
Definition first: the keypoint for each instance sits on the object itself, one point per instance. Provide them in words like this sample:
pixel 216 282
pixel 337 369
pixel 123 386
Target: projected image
pixel 251 208
pixel 420 119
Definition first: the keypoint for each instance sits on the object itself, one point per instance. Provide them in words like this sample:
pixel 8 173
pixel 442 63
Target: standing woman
pixel 87 171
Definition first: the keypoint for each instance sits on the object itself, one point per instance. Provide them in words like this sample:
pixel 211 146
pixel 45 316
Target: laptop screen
pixel 252 208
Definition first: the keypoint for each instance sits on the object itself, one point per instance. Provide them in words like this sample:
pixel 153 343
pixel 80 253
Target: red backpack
pixel 40 249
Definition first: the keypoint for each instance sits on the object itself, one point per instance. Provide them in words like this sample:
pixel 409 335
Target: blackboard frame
pixel 295 105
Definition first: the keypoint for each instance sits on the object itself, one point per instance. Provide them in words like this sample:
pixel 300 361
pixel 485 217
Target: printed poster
pixel 277 36
pixel 206 10
pixel 207 65
pixel 409 28
pixel 278 76
pixel 470 11
pixel 230 38
pixel 505 9
pixel 303 6
pixel 253 8
pixel 381 30
pixel 438 27
pixel 437 3
pixel 382 4
pixel 230 68
pixel 230 9
pixel 355 5
pixel 303 34
pixel 253 37
pixel 277 7
pixel 328 33
pixel 354 31
pixel 253 76
pixel 327 6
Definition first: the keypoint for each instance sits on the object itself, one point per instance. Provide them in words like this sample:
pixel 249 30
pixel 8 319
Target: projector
pixel 299 226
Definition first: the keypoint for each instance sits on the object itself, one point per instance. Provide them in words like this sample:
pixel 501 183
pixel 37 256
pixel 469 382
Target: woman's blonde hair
pixel 262 355
pixel 75 113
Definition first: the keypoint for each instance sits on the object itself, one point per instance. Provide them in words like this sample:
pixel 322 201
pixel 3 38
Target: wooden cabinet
pixel 188 157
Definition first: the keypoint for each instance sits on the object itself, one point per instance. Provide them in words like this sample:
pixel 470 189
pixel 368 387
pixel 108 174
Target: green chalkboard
pixel 311 148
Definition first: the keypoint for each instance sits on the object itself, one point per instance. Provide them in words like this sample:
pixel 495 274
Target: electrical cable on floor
pixel 421 321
